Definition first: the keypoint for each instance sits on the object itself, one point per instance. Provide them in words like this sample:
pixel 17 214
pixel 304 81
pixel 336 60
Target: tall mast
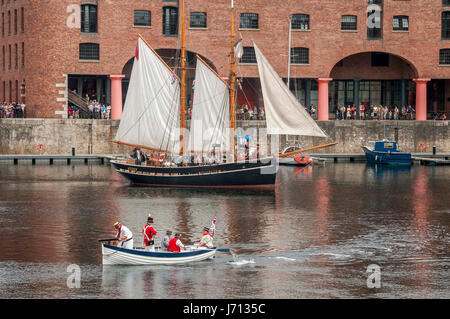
pixel 232 85
pixel 183 79
pixel 289 51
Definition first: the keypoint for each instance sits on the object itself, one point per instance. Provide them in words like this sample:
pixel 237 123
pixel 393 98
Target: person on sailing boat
pixel 124 235
pixel 137 155
pixel 165 241
pixel 175 244
pixel 206 240
pixel 149 233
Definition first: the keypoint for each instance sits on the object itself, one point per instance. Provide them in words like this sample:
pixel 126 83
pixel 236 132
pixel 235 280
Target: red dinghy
pixel 303 160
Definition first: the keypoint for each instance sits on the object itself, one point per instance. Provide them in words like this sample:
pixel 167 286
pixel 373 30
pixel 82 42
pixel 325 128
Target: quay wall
pixel 59 136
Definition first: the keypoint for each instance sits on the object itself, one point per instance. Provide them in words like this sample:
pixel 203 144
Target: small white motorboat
pixel 113 255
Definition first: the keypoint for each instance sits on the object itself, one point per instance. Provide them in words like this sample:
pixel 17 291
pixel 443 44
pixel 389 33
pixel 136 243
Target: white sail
pixel 210 112
pixel 151 114
pixel 284 113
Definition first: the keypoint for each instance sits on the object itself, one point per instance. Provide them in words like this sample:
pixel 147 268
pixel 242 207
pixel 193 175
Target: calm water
pixel 313 237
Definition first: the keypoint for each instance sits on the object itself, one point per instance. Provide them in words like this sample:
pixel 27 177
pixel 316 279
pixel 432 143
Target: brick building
pixel 390 52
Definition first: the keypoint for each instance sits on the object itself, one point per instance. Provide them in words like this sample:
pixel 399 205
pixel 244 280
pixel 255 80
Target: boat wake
pixel 242 262
pixel 285 258
pixel 239 262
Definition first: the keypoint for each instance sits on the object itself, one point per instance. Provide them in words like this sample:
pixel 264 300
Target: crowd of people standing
pixel 96 111
pixel 12 110
pixel 374 112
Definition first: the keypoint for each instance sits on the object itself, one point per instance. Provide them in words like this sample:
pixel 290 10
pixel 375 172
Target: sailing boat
pixel 155 106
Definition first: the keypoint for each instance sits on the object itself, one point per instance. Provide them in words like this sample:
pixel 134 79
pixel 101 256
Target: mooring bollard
pixel 434 150
pixel 73 151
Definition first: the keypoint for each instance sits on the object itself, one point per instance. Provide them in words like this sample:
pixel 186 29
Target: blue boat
pixel 386 152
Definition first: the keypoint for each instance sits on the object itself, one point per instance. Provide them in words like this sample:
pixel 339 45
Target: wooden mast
pixel 232 86
pixel 183 78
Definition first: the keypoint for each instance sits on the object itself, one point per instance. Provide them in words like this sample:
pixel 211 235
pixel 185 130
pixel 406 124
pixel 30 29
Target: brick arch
pixel 414 72
pixel 170 55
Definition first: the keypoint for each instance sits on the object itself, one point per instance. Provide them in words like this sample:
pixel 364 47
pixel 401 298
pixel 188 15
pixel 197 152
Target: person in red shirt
pixel 149 235
pixel 175 244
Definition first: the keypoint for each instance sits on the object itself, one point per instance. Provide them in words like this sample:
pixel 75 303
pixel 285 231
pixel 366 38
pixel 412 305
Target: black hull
pixel 231 175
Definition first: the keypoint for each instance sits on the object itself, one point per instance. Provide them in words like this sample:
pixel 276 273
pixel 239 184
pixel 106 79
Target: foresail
pixel 210 119
pixel 284 113
pixel 151 114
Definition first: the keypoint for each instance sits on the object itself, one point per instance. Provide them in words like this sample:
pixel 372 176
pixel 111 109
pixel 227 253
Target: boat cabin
pixel 383 146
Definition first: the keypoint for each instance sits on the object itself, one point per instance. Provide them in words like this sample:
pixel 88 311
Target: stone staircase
pixel 78 101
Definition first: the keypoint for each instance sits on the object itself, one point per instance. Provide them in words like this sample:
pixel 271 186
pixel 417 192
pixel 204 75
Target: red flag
pixel 137 52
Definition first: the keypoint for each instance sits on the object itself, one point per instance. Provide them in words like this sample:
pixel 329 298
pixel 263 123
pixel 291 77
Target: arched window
pixel 299 55
pixel 88 18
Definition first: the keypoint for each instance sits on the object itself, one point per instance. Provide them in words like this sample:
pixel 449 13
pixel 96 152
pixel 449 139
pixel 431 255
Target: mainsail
pixel 151 114
pixel 284 114
pixel 210 120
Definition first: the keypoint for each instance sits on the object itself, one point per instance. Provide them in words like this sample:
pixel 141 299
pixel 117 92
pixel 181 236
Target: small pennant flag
pixel 212 229
pixel 238 49
pixel 174 78
pixel 137 52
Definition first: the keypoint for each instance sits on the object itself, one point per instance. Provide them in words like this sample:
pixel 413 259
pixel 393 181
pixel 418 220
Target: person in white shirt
pixel 125 236
pixel 206 240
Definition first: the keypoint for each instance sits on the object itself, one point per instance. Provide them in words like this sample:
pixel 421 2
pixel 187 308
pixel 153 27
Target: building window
pixel 348 22
pixel 15 21
pixel 9 22
pixel 248 55
pixel 22 21
pixel 198 20
pixel 4 58
pixel 401 23
pixel 444 57
pixel 380 59
pixel 249 21
pixel 16 60
pixel 89 51
pixel 446 2
pixel 88 18
pixel 300 22
pixel 3 24
pixel 9 55
pixel 446 25
pixel 142 18
pixel 170 21
pixel 299 55
pixel 375 20
pixel 23 54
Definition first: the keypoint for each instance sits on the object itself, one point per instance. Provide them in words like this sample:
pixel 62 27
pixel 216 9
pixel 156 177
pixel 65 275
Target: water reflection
pixel 312 237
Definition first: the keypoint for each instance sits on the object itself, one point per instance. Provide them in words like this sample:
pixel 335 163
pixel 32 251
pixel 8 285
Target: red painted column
pixel 421 99
pixel 322 108
pixel 116 96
